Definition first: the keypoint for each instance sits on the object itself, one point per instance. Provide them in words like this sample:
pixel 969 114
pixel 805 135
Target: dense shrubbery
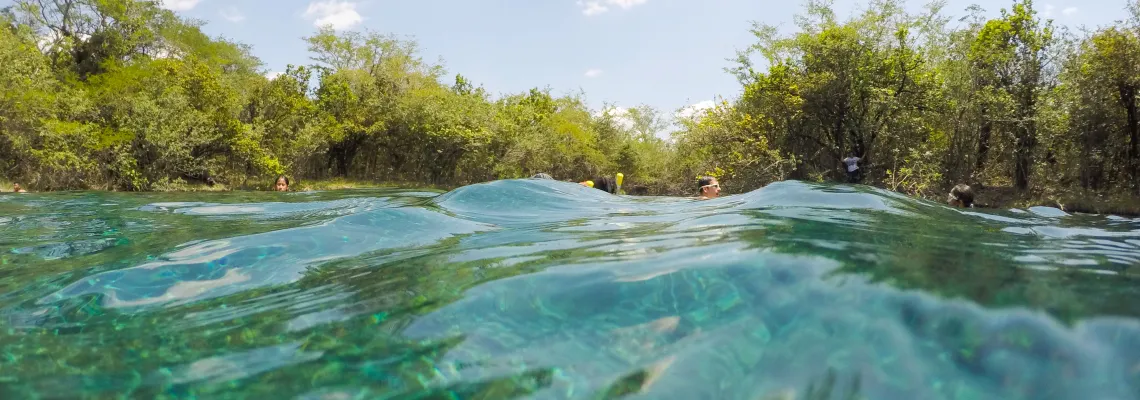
pixel 123 94
pixel 1009 101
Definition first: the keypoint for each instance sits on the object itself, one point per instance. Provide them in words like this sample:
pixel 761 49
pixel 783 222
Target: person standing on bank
pixel 852 168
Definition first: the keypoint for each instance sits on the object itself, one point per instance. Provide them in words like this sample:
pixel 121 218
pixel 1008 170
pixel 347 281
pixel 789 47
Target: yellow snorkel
pixel 619 178
pixel 590 184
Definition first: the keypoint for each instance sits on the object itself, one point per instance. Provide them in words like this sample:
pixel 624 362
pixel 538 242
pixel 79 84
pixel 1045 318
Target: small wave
pixel 546 289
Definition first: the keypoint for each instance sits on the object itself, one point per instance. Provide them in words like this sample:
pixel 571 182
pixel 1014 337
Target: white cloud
pixel 180 5
pixel 232 14
pixel 45 43
pixel 165 50
pixel 50 40
pixel 1069 11
pixel 595 7
pixel 694 110
pixel 593 73
pixel 592 8
pixel 626 4
pixel 1048 11
pixel 271 75
pixel 339 14
pixel 620 116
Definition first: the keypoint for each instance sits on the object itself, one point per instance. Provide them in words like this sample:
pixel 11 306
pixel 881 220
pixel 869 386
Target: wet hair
pixel 606 184
pixel 963 193
pixel 280 177
pixel 542 175
pixel 704 181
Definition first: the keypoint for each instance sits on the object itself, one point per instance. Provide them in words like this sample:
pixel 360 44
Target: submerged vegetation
pixel 125 95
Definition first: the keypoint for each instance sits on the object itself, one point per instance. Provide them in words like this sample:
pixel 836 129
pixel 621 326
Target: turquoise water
pixel 548 290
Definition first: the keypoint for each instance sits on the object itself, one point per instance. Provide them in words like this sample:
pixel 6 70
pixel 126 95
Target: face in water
pixel 711 190
pixel 282 184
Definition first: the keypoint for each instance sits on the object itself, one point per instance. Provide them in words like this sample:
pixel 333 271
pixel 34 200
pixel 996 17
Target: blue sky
pixel 664 53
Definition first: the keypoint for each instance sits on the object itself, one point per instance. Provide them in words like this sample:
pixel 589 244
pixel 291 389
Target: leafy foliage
pixel 1006 101
pixel 123 94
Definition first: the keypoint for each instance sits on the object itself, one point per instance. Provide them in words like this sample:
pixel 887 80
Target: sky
pixel 667 54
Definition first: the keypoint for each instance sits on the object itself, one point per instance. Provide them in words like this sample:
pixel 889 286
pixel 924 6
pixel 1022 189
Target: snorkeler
pixel 605 184
pixel 708 188
pixel 962 196
pixel 281 184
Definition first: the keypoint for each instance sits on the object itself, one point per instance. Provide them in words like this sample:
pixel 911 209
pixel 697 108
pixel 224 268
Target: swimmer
pixel 961 196
pixel 17 189
pixel 708 188
pixel 281 184
pixel 605 184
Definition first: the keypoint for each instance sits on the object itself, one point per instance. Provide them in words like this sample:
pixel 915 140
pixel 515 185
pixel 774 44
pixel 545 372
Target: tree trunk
pixel 343 153
pixel 984 134
pixel 1128 98
pixel 1023 157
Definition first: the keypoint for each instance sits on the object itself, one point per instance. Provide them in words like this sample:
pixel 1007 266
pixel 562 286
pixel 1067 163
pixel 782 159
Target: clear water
pixel 548 290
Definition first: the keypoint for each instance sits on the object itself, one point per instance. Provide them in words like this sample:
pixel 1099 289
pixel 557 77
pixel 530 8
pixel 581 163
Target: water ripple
pixel 549 290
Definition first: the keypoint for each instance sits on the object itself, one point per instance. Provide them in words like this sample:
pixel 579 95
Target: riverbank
pixel 330 184
pixel 1122 204
pixel 297 185
pixel 1118 203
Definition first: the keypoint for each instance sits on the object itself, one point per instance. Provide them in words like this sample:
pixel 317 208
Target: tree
pixel 836 89
pixel 1011 56
pixel 1111 64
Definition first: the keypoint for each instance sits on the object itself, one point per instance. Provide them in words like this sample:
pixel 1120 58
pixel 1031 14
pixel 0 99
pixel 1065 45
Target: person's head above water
pixel 708 187
pixel 605 184
pixel 16 188
pixel 281 184
pixel 542 175
pixel 961 196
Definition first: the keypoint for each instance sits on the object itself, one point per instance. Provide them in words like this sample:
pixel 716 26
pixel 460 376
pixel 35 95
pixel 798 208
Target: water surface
pixel 548 290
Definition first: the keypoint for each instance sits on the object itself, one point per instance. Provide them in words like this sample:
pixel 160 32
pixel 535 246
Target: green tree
pixel 838 88
pixel 40 141
pixel 1011 55
pixel 1106 74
